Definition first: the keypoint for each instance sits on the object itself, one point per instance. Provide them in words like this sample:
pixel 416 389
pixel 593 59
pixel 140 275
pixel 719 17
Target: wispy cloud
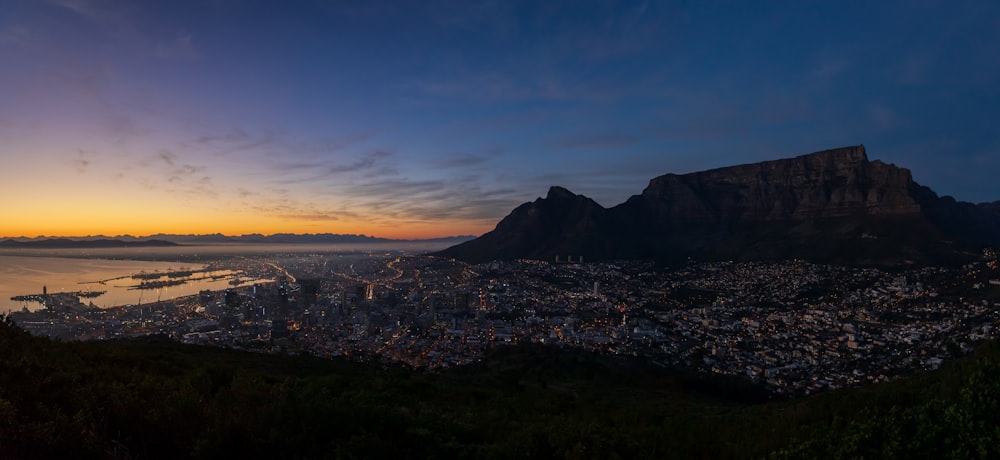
pixel 915 68
pixel 298 166
pixel 180 48
pixel 82 161
pixel 123 128
pixel 101 11
pixel 552 53
pixel 829 65
pixel 15 35
pixel 167 157
pixel 883 117
pixel 460 161
pixel 234 135
pixel 313 217
pixel 172 173
pixel 598 141
pixel 368 161
pixel 236 141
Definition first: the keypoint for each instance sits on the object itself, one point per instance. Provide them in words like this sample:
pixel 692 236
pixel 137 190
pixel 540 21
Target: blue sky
pixel 430 118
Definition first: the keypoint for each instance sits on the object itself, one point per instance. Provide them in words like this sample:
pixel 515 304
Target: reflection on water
pixel 106 283
pixel 25 272
pixel 210 251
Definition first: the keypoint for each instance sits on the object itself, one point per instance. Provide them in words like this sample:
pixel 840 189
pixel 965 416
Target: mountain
pixel 560 223
pixel 832 206
pixel 65 243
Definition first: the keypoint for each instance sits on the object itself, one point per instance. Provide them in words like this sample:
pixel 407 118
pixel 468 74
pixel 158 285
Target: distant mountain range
pixel 175 240
pixel 833 206
pixel 67 243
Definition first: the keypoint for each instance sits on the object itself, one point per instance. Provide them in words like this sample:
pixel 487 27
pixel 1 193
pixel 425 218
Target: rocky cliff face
pixel 834 206
pixel 833 183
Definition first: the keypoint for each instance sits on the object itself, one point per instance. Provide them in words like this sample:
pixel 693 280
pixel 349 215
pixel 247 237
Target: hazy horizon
pixel 190 235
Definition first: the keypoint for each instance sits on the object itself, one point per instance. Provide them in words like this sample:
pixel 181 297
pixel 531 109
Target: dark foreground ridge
pixel 157 399
pixel 833 206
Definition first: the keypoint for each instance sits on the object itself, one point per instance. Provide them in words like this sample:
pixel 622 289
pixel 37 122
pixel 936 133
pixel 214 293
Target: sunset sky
pixel 413 119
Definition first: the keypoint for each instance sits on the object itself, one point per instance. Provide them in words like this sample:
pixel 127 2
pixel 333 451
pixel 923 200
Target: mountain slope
pixel 829 206
pixel 158 399
pixel 560 223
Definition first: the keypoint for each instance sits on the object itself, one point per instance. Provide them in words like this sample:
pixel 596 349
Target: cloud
pixel 828 67
pixel 288 208
pixel 181 48
pixel 233 135
pixel 237 140
pixel 305 168
pixel 599 141
pixel 298 166
pixel 82 161
pixel 100 11
pixel 367 162
pixel 460 161
pixel 122 128
pixel 15 35
pixel 397 189
pixel 170 172
pixel 432 200
pixel 167 157
pixel 514 86
pixel 244 193
pixel 311 217
pixel 915 69
pixel 549 52
pixel 187 170
pixel 468 159
pixel 883 117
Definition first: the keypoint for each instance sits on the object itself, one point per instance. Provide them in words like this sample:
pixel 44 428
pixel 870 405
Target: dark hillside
pixel 157 399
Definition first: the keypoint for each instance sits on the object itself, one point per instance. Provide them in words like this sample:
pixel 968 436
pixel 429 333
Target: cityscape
pixel 481 229
pixel 794 327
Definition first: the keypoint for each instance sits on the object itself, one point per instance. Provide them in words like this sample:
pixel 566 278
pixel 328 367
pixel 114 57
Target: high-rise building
pixel 232 300
pixel 310 292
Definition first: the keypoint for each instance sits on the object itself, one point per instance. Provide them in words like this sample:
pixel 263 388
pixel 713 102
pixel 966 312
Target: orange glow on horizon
pixel 72 205
pixel 415 231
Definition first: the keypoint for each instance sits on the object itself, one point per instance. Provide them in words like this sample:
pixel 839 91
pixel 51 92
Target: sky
pixel 419 119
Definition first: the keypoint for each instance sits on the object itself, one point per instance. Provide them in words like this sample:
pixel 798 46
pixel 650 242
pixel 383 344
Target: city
pixel 794 327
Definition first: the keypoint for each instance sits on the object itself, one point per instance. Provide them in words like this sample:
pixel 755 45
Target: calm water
pixel 30 275
pixel 26 272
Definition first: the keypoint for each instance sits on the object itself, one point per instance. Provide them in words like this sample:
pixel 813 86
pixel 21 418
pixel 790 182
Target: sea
pixel 26 272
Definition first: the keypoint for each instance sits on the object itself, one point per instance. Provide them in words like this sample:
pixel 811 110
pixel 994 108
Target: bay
pixel 22 275
pixel 30 271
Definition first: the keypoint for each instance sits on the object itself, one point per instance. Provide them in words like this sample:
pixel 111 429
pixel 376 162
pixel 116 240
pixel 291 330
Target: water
pixel 27 272
pixel 31 275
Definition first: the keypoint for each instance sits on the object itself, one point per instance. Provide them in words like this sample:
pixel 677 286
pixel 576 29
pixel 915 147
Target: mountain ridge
pixel 67 243
pixel 829 206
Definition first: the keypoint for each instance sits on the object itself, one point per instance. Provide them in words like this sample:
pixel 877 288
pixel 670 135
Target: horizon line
pixel 128 235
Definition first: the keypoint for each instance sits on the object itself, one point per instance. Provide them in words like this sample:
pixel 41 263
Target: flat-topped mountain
pixel 829 206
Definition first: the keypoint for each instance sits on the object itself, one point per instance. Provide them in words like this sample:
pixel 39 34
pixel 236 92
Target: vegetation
pixel 157 399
